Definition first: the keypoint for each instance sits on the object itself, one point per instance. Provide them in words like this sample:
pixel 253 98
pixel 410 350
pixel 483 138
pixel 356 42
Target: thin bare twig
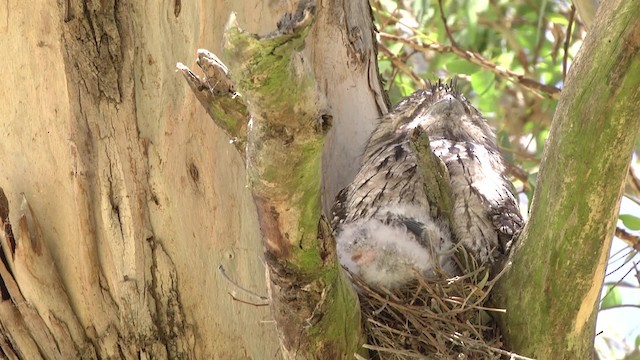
pixel 611 287
pixel 567 40
pixel 623 284
pixel 620 306
pixel 224 275
pixel 627 237
pixel 401 65
pixel 519 174
pixel 246 302
pixel 446 27
pixel 535 87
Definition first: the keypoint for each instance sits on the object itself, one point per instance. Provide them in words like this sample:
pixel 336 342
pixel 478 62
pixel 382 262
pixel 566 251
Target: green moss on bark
pixel 314 304
pixel 552 292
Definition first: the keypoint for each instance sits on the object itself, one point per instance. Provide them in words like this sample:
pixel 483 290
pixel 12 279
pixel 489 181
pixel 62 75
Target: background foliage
pixel 510 58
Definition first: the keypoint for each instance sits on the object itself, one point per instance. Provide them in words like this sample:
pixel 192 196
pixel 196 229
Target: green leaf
pixel 395 48
pixel 505 59
pixel 461 66
pixel 529 126
pixel 484 280
pixel 472 27
pixel 613 298
pixel 384 66
pixel 406 85
pixel 478 6
pixel 488 102
pixel 630 222
pixel 474 7
pixel 632 356
pixel 481 81
pixel 558 19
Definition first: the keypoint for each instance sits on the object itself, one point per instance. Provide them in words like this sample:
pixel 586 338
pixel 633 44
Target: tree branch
pixel 567 41
pixel 532 85
pixel 312 302
pixel 551 293
pixel 217 94
pixel 628 238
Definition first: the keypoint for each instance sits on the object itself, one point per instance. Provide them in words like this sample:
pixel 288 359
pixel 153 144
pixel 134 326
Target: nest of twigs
pixel 443 318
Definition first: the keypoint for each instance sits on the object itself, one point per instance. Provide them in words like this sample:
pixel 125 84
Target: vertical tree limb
pixel 559 269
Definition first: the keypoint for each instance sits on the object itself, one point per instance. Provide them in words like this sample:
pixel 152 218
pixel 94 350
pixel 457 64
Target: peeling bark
pixel 217 94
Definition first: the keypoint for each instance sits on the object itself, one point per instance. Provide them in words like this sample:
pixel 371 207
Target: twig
pixel 224 275
pixel 619 306
pixel 401 65
pixel 519 174
pixel 512 356
pixel 394 351
pixel 446 27
pixel 623 284
pixel 627 237
pixel 536 88
pixel 567 39
pixel 620 267
pixel 246 302
pixel 539 32
pixel 611 287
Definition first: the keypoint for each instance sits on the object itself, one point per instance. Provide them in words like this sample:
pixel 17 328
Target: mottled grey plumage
pixel 382 222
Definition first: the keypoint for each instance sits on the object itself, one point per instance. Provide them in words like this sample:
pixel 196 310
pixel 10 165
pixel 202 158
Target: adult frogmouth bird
pixel 384 232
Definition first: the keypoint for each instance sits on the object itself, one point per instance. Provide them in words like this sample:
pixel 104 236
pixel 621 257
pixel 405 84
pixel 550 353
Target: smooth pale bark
pixel 559 269
pixel 138 196
pixel 129 181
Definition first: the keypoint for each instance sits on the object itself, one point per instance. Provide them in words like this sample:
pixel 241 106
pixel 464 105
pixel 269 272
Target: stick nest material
pixel 442 318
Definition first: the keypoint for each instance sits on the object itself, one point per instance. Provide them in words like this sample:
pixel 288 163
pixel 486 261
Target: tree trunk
pixel 129 231
pixel 559 270
pixel 125 199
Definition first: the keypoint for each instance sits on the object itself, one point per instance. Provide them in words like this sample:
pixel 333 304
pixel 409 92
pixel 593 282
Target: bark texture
pixel 124 197
pixel 312 302
pixel 564 247
pixel 131 184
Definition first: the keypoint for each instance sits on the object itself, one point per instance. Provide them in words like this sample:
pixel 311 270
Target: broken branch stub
pixel 216 93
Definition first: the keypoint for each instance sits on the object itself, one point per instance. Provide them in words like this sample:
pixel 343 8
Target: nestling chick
pixel 383 228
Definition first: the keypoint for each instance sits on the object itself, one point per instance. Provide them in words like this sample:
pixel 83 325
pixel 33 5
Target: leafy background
pixel 510 59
